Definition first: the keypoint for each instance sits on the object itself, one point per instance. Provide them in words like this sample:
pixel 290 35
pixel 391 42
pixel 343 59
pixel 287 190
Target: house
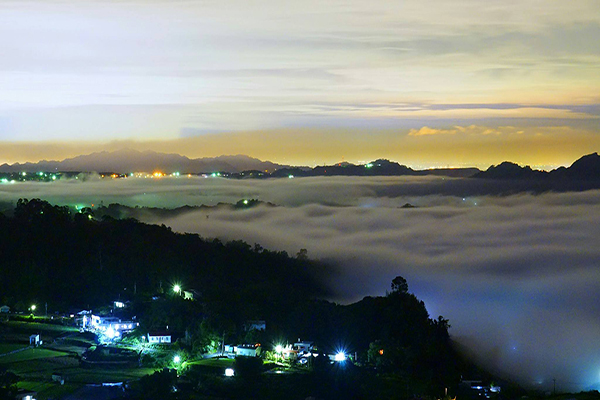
pixel 119 304
pixel 4 309
pixel 159 337
pixel 104 323
pixel 303 347
pixel 34 340
pixel 247 350
pixel 255 325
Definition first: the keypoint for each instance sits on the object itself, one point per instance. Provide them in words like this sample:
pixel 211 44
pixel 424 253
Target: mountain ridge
pixel 129 160
pixel 585 168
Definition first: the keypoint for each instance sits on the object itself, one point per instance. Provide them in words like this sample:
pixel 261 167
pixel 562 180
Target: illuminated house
pixel 159 337
pixel 247 350
pixel 115 324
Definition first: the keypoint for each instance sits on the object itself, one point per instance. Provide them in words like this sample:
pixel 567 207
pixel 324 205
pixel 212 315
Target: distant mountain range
pixel 128 161
pixel 236 166
pixel 587 168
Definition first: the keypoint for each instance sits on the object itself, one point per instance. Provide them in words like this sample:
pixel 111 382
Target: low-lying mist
pixel 516 275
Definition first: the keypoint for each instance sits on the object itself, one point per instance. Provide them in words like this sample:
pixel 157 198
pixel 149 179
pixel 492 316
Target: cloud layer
pixel 516 275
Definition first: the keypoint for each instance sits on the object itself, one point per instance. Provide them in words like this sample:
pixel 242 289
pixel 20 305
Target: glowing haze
pixel 425 83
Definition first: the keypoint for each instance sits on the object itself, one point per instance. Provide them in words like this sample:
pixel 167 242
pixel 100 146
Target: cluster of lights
pixel 157 174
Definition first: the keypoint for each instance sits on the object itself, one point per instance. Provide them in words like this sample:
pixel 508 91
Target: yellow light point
pixel 158 174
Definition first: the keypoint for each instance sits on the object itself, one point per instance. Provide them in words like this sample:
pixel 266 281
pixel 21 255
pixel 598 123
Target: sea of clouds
pixel 517 275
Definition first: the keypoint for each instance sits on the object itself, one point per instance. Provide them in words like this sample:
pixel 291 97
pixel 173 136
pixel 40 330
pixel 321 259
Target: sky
pixel 436 83
pixel 516 275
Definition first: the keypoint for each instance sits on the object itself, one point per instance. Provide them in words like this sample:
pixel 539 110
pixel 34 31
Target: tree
pixel 399 285
pixel 302 255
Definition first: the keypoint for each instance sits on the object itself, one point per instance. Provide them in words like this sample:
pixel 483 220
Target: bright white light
pixel 110 333
pixel 177 288
pixel 229 372
pixel 176 359
pixel 278 348
pixel 340 356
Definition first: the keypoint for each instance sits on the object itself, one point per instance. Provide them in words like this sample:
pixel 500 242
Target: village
pixel 58 354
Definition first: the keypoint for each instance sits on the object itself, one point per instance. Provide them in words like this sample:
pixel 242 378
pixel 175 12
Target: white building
pixel 159 337
pixel 103 324
pixel 247 350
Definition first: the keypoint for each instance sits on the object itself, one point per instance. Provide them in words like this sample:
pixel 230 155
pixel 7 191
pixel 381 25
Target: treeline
pixel 49 254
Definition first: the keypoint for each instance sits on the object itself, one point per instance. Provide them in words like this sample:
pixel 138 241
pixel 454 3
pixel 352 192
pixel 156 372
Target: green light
pixel 369 165
pixel 291 176
pixel 245 201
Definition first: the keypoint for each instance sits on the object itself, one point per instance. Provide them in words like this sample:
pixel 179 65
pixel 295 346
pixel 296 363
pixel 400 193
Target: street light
pixel 340 357
pixel 177 289
pixel 176 359
pixel 33 307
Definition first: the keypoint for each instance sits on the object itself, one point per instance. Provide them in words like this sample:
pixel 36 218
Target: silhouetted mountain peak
pixel 510 170
pixel 586 168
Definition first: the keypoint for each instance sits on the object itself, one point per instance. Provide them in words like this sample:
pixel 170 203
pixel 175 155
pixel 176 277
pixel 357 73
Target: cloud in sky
pixel 108 70
pixel 517 275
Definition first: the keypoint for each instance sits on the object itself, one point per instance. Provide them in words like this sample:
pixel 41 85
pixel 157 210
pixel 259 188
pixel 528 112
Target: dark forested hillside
pixel 73 260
